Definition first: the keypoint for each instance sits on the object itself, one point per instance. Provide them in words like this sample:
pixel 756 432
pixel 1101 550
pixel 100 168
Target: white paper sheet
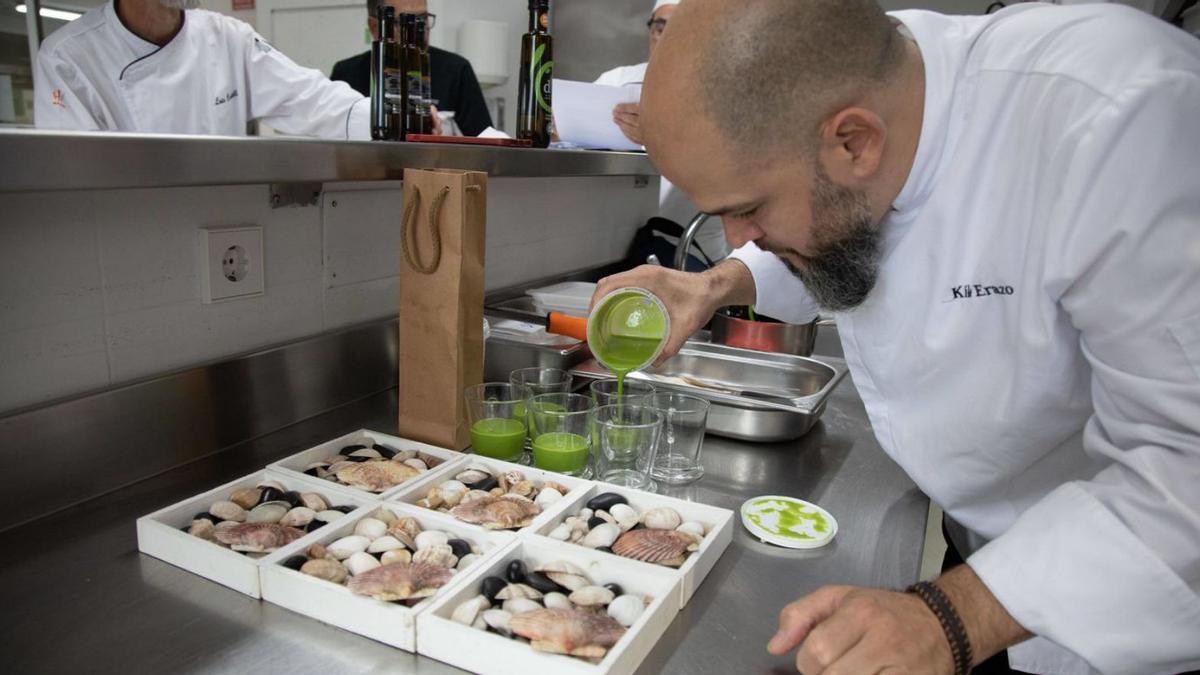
pixel 583 114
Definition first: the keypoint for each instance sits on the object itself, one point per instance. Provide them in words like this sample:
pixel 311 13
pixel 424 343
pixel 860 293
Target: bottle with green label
pixel 534 107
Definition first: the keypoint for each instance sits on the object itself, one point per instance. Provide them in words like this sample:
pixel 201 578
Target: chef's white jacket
pixel 1031 354
pixel 672 202
pixel 212 78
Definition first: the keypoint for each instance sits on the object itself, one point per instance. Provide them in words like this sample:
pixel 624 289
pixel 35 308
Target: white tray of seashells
pixel 226 533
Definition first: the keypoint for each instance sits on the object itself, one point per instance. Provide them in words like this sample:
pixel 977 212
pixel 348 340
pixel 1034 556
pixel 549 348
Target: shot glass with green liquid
pixel 560 427
pixel 497 415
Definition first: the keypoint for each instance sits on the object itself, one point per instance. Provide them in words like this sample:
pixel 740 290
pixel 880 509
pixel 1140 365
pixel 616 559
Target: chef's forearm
pixel 990 628
pixel 730 283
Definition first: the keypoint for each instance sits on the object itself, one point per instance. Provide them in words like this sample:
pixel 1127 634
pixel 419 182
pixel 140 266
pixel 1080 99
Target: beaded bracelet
pixel 952 625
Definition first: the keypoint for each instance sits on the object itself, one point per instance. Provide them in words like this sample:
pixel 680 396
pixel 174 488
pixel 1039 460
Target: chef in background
pixel 162 66
pixel 1002 213
pixel 674 205
pixel 455 87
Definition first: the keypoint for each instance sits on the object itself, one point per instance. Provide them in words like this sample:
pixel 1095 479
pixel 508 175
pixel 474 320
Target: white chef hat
pixel 663 3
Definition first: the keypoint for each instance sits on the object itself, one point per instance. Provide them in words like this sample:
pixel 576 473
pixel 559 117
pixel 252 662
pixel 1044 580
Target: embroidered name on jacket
pixel 227 97
pixel 978 291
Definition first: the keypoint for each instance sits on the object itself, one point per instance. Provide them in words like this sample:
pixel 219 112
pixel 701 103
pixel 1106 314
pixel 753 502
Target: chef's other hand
pixel 843 630
pixel 691 298
pixel 438 128
pixel 628 116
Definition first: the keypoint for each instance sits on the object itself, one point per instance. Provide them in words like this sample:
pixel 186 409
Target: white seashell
pixel 473 495
pixel 661 519
pixel 361 562
pixel 591 595
pixel 576 523
pixel 565 574
pixel 384 544
pixel 626 609
pixel 510 478
pixel 472 476
pixel 577 536
pixel 519 591
pixel 203 528
pixel 347 546
pixel 314 501
pixel 693 528
pixel 466 561
pixel 561 533
pixel 547 497
pixel 521 605
pixel 451 493
pixel 431 538
pixel 467 612
pixel 228 511
pixel 602 536
pixel 586 514
pixel 395 556
pixel 385 515
pixel 417 464
pixel 371 528
pixel 404 455
pixel 605 516
pixel 298 517
pixel 625 515
pixel 497 620
pixel 437 554
pixel 329 515
pixel 556 601
pixel 272 484
pixel 479 624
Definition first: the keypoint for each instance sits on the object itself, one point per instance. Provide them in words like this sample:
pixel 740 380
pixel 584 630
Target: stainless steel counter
pixel 77 596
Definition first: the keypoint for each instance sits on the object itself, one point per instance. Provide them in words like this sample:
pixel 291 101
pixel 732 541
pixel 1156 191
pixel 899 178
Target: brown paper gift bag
pixel 441 302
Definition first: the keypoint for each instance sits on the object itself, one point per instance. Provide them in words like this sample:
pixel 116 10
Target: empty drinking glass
pixel 634 392
pixel 677 460
pixel 542 380
pixel 628 436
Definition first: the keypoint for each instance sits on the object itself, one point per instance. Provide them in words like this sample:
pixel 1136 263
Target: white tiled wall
pixel 101 288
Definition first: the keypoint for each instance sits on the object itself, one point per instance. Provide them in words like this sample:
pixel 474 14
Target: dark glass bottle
pixel 387 123
pixel 427 101
pixel 534 113
pixel 412 74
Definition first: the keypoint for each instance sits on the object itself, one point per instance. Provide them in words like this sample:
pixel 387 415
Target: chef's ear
pixel 851 146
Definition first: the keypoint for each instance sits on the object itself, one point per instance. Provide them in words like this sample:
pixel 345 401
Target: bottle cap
pixel 788 522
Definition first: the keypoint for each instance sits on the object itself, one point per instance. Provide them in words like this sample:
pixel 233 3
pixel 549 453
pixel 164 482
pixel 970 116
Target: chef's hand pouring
pixel 690 298
pixel 843 630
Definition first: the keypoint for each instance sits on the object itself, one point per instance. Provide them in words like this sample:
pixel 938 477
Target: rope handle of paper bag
pixel 408 239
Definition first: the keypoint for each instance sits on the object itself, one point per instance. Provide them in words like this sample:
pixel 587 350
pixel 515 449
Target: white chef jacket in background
pixel 1031 354
pixel 673 204
pixel 212 78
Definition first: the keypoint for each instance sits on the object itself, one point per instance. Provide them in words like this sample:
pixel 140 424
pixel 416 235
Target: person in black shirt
pixel 455 88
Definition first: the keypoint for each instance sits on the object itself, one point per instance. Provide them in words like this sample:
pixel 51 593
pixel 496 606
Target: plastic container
pixel 628 329
pixel 788 522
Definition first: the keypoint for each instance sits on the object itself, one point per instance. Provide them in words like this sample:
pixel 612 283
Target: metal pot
pixel 762 336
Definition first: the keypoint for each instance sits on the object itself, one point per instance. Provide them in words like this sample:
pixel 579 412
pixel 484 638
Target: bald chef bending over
pixel 149 66
pixel 1003 213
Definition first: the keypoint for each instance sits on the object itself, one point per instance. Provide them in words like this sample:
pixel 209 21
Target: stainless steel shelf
pixel 41 160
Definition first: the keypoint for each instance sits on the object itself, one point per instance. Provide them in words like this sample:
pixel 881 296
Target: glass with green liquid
pixel 497 415
pixel 560 428
pixel 627 331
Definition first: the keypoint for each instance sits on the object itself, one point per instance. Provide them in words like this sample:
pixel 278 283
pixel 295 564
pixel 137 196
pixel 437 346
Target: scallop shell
pixel 602 536
pixel 268 512
pixel 228 511
pixel 663 547
pixel 626 609
pixel 376 476
pixel 468 611
pixel 438 554
pixel 576 632
pixel 497 513
pixel 298 517
pixel 323 568
pixel 257 537
pixel 371 528
pixel 401 581
pixel 246 498
pixel 590 596
pixel 662 518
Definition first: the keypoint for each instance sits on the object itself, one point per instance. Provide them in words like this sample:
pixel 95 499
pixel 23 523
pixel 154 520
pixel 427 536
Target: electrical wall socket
pixel 232 263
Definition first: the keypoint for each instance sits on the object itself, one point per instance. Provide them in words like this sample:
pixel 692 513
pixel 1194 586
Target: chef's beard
pixel 845 267
pixel 180 4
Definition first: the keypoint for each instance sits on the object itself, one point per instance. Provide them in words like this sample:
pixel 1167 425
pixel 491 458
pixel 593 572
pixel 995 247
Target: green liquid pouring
pixel 498 438
pixel 560 451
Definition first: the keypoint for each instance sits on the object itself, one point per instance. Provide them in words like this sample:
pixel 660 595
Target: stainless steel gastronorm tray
pixel 755 396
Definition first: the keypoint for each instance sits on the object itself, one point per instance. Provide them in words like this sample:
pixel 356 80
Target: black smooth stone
pixel 487 484
pixel 605 502
pixel 208 516
pixel 312 472
pixel 344 508
pixel 386 450
pixel 606 549
pixel 270 494
pixel 314 525
pixel 357 458
pixel 594 521
pixel 616 589
pixel 351 448
pixel 185 529
pixel 461 548
pixel 293 498
pixel 543 583
pixel 295 562
pixel 491 586
pixel 516 572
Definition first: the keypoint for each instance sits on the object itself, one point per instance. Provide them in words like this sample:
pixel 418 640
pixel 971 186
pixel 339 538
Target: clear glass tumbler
pixel 496 411
pixel 560 428
pixel 634 393
pixel 628 436
pixel 540 381
pixel 677 460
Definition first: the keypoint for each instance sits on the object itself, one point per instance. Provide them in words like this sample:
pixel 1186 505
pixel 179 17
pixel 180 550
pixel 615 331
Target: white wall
pixel 100 288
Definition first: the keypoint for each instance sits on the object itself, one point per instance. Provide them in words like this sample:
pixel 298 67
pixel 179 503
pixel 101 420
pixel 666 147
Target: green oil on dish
pixel 788 519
